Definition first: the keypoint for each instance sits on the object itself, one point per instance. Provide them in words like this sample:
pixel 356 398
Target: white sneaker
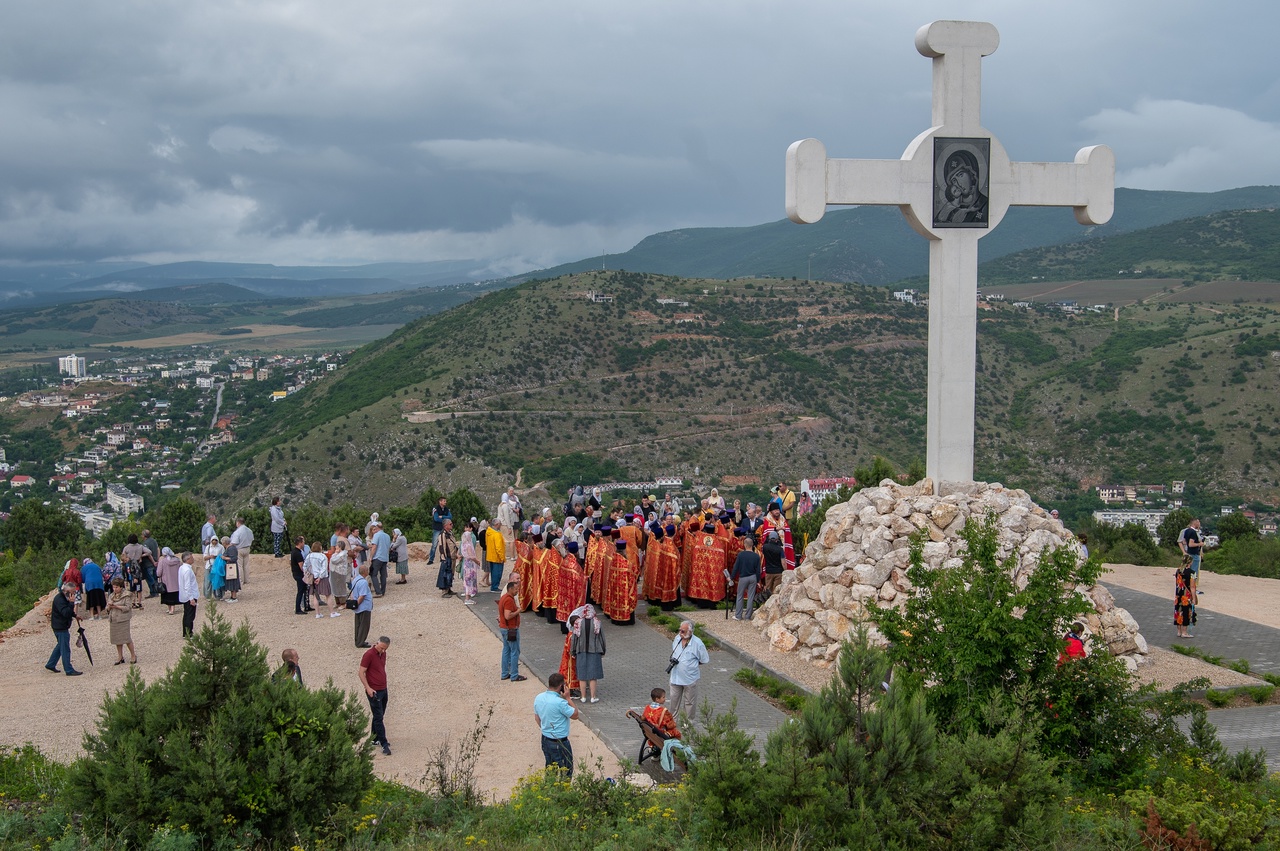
pixel 594 700
pixel 318 616
pixel 334 614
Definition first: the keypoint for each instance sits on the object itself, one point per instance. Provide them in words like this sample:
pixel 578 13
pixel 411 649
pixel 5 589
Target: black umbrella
pixel 84 642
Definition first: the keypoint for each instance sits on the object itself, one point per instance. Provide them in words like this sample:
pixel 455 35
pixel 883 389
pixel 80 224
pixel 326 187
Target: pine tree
pixel 218 746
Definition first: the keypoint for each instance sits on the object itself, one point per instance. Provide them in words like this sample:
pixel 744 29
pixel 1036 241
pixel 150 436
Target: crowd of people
pixel 591 563
pixel 116 590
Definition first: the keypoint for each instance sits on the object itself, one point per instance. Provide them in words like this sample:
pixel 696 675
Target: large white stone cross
pixel 954 183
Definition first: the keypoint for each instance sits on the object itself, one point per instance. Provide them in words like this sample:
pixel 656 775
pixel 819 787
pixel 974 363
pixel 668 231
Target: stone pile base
pixel 862 554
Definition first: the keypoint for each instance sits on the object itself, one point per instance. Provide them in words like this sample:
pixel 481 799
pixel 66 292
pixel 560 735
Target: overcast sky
pixel 530 133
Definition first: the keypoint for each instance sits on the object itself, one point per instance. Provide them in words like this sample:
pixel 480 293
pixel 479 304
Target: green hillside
pixel 874 245
pixel 1239 245
pixel 763 379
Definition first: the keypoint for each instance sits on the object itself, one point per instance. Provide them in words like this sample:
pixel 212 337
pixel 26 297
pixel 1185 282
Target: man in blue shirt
pixel 553 713
pixel 439 514
pixel 688 653
pixel 208 532
pixel 364 606
pixel 380 545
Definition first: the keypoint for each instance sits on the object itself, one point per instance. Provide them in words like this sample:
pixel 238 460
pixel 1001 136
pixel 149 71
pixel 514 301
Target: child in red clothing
pixel 659 716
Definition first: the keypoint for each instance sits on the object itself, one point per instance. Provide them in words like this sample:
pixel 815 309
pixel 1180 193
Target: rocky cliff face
pixel 863 552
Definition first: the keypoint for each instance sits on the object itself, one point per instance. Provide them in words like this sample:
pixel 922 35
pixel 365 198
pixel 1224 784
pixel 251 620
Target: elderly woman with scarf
pixel 588 650
pixel 167 573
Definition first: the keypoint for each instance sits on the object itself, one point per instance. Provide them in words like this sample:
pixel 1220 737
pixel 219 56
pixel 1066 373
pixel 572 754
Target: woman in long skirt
pixel 119 613
pixel 1184 600
pixel 339 571
pixel 588 651
pixel 167 572
pixel 470 563
pixel 231 568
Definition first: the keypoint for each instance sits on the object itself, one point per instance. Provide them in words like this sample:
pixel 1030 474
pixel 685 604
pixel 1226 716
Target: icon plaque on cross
pixel 954 183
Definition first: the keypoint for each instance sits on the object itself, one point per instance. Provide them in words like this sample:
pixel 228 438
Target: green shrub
pixel 25 579
pixel 1274 679
pixel 1218 698
pixel 1185 650
pixel 1225 813
pixel 217 748
pixel 1260 694
pixel 783 692
pixel 1246 557
pixel 1239 665
pixel 979 640
pixel 588 811
pixel 28 775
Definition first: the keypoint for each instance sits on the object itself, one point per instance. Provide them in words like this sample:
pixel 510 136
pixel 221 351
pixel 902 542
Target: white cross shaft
pixel 954 183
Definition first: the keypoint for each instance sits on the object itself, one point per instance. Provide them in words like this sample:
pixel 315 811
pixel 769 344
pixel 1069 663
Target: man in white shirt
pixel 688 653
pixel 188 595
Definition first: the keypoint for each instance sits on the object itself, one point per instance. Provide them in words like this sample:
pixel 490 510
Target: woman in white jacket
pixel 317 566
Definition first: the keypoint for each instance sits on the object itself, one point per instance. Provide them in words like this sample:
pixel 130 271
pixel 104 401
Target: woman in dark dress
pixel 1184 600
pixel 588 652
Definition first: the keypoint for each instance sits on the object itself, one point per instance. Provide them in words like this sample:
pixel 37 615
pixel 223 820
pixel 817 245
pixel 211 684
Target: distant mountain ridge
pixel 874 245
pixel 31 287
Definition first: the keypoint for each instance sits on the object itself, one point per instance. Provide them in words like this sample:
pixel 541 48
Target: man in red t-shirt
pixel 373 676
pixel 509 625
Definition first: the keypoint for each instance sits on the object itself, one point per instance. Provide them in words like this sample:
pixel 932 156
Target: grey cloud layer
pixel 527 134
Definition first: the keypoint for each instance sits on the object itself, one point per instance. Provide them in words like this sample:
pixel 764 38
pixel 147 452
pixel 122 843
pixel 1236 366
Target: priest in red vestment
pixel 547 564
pixel 706 571
pixel 531 579
pixel 598 552
pixel 620 595
pixel 775 522
pixel 573 583
pixel 662 575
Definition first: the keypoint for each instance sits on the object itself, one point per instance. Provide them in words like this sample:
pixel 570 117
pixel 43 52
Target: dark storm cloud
pixel 527 134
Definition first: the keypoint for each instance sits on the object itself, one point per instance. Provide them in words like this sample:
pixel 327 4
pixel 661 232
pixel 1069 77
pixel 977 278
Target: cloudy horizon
pixel 526 135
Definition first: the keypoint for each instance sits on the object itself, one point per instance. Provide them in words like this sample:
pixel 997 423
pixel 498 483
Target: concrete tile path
pixel 1219 635
pixel 635 663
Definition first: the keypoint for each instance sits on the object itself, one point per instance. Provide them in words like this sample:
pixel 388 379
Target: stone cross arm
pixel 1086 185
pixel 813 181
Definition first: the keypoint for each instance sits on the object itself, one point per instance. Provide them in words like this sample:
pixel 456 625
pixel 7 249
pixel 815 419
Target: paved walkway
pixel 1225 636
pixel 1219 635
pixel 635 663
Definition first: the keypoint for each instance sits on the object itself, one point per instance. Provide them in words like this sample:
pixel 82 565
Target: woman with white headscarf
pixel 167 573
pixel 400 549
pixel 507 519
pixel 588 650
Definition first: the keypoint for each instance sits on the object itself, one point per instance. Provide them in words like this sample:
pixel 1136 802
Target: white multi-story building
pixel 1119 517
pixel 123 501
pixel 73 365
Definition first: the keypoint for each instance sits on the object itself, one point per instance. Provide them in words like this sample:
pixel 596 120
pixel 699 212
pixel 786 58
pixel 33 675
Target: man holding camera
pixel 688 653
pixel 553 713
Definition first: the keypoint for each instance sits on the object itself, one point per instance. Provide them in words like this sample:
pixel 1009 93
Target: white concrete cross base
pixel 954 183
